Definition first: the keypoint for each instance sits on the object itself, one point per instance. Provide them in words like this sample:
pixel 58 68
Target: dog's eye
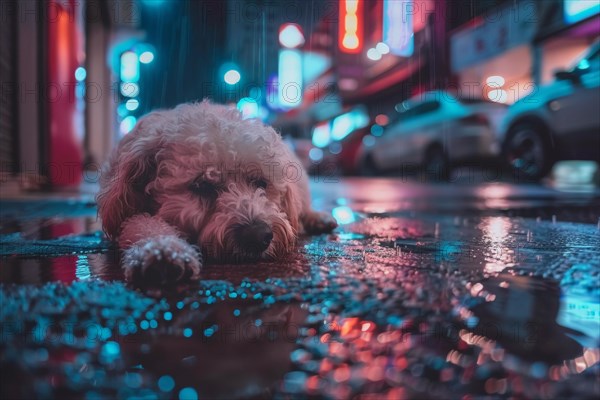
pixel 260 183
pixel 204 189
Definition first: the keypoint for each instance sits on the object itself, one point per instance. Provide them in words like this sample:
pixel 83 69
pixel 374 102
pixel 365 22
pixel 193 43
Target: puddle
pixel 102 339
pixel 48 207
pixel 229 350
pixel 522 314
pixel 66 269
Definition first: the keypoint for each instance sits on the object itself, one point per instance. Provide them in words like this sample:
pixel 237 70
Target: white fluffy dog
pixel 199 182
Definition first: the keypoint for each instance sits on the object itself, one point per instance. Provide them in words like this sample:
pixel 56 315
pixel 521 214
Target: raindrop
pixel 294 381
pixel 133 380
pixel 539 369
pixel 472 321
pixel 188 393
pixel 166 383
pixel 110 351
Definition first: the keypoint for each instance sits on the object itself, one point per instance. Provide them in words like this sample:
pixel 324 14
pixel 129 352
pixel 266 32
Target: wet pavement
pixel 424 291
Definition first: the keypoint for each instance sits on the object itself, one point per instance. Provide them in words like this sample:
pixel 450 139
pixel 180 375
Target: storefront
pixel 505 53
pixel 401 52
pixel 491 57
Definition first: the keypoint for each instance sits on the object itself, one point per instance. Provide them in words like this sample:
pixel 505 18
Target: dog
pixel 198 183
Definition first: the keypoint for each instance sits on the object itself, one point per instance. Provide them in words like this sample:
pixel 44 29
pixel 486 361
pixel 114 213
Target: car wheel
pixel 526 151
pixel 436 165
pixel 368 167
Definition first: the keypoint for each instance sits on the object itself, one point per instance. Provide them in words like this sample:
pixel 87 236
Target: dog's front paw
pixel 161 260
pixel 316 222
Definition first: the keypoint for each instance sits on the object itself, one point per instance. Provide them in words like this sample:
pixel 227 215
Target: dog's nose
pixel 256 237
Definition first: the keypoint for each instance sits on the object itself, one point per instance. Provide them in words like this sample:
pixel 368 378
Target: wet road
pixel 441 291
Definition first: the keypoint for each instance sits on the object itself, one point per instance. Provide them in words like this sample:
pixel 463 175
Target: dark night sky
pixel 189 37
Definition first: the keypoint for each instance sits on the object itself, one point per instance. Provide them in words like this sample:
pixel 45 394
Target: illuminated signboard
pixel 351 26
pixel 577 10
pixel 290 78
pixel 398 31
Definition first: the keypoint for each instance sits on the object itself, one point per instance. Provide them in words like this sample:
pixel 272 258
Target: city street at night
pixel 299 199
pixel 423 291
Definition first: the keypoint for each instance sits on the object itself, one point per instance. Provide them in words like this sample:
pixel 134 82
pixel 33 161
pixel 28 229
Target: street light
pixel 146 57
pixel 132 104
pixel 291 36
pixel 232 77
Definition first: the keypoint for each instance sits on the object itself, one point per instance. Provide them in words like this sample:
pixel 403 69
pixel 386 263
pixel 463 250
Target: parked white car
pixel 435 131
pixel 559 121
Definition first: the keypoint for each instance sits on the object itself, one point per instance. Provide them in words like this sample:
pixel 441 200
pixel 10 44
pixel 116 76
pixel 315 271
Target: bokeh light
pixel 495 81
pixel 132 104
pixel 232 77
pixel 127 124
pixel 188 393
pixel 373 54
pixel 343 215
pixel 80 74
pixel 315 154
pixel 291 36
pixel 248 107
pixel 146 57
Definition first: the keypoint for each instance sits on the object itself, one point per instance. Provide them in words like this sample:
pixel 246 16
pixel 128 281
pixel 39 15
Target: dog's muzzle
pixel 254 238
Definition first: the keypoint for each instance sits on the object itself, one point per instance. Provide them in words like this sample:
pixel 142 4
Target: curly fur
pixel 148 200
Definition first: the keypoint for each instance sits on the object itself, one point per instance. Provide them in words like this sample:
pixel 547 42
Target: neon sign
pixel 398 31
pixel 351 26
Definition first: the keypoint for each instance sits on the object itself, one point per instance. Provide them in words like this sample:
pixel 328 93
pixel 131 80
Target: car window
pixel 418 110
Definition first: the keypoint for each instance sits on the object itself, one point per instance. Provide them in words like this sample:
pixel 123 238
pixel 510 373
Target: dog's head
pixel 229 185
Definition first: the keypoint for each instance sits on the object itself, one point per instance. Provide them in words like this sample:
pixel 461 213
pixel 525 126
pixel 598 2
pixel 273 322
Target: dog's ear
pixel 125 177
pixel 292 206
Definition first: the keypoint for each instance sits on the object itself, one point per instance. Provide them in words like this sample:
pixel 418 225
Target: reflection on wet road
pixel 423 291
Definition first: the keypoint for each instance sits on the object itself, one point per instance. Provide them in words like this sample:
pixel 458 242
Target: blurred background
pixel 423 89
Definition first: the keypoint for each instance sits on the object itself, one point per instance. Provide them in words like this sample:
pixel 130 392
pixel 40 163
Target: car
pixel 314 161
pixel 558 121
pixel 340 155
pixel 434 131
pixel 349 149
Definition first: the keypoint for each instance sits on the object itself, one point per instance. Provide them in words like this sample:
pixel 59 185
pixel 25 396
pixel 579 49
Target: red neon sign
pixel 351 26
